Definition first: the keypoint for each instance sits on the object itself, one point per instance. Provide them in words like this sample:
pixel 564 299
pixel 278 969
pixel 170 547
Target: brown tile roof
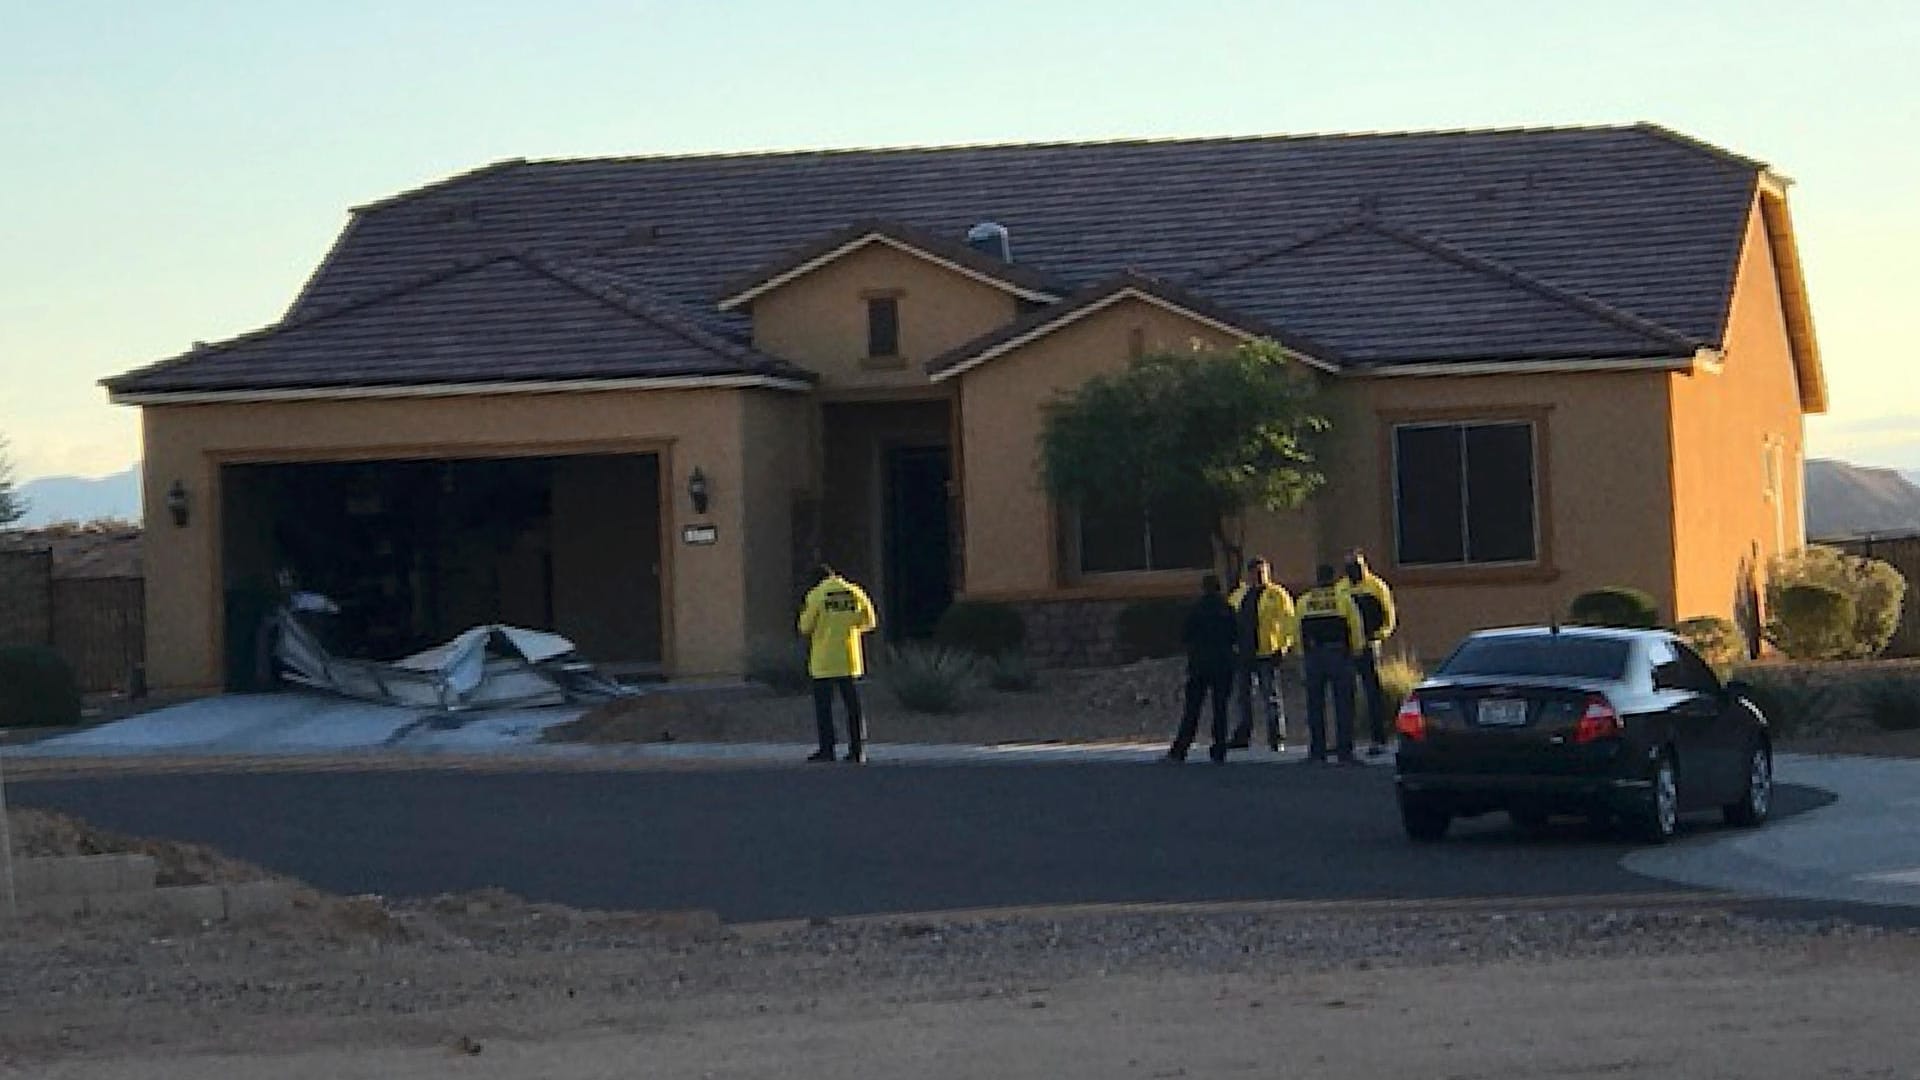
pixel 500 318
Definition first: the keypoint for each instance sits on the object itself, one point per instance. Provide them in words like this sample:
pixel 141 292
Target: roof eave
pixel 1809 373
pixel 741 296
pixel 367 392
pixel 1564 365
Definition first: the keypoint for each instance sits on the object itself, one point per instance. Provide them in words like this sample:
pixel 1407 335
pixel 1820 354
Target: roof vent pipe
pixel 991 238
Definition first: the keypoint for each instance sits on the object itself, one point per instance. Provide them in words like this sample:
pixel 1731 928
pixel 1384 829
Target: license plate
pixel 1501 712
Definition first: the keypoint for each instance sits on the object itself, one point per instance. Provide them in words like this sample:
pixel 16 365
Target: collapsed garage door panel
pixel 417 551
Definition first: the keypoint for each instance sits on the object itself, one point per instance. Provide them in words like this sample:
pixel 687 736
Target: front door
pixel 919 584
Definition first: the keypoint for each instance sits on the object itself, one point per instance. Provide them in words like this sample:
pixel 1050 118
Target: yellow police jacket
pixel 1371 586
pixel 1323 614
pixel 836 613
pixel 1275 623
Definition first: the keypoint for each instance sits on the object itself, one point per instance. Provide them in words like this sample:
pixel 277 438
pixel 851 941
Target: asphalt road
pixel 757 844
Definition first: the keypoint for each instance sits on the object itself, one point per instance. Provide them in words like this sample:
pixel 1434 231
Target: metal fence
pixel 1903 552
pixel 98 625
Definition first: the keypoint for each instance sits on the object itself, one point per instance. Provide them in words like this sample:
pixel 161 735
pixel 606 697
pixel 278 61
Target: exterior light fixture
pixel 697 490
pixel 177 503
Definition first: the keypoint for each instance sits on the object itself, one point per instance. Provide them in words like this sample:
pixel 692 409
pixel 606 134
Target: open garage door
pixel 417 551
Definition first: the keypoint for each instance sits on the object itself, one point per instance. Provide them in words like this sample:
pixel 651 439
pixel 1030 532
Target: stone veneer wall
pixel 1073 633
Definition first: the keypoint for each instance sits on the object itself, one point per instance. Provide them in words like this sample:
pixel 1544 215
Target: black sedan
pixel 1620 726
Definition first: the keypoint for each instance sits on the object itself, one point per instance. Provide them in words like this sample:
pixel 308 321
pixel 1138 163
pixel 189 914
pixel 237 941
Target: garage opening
pixel 416 551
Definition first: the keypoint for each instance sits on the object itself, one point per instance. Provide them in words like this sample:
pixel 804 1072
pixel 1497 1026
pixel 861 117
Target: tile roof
pixel 467 323
pixel 1635 217
pixel 1012 275
pixel 1379 293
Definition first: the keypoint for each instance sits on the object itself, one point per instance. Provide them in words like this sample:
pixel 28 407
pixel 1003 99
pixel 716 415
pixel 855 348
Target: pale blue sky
pixel 172 171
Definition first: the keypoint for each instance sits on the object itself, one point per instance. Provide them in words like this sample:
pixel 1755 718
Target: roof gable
pixel 511 318
pixel 1023 282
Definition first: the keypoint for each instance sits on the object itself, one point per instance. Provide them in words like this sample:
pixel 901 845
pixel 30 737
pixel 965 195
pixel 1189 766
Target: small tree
pixel 12 506
pixel 1230 431
pixel 1875 587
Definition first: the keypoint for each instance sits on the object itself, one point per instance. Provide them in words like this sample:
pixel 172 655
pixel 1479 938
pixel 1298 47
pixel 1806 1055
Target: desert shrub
pixel 1810 621
pixel 1892 703
pixel 982 628
pixel 1875 588
pixel 1717 641
pixel 37 688
pixel 1150 629
pixel 1793 705
pixel 931 678
pixel 1615 606
pixel 779 664
pixel 1011 671
pixel 1398 676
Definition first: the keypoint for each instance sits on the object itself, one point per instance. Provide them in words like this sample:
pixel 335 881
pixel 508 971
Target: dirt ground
pixel 1132 703
pixel 1804 1012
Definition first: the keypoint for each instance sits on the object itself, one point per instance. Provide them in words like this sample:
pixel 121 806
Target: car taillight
pixel 1412 722
pixel 1598 721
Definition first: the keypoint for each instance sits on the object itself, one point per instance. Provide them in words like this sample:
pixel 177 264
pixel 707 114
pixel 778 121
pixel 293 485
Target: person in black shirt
pixel 1211 634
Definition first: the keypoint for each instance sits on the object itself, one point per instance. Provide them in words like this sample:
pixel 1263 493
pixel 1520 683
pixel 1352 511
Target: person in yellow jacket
pixel 1374 601
pixel 833 619
pixel 1264 612
pixel 1330 633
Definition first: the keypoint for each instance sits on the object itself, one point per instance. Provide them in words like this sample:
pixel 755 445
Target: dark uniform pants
pixel 1330 669
pixel 823 690
pixel 1201 685
pixel 1367 667
pixel 1260 676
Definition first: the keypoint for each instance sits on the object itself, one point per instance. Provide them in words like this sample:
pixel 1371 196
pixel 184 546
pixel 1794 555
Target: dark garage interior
pixel 416 551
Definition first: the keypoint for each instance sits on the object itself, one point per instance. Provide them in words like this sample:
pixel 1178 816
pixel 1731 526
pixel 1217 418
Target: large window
pixel 1117 537
pixel 1465 493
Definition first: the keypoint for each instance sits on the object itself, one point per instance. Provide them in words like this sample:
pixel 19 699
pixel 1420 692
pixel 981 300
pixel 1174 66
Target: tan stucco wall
pixel 1605 514
pixel 819 320
pixel 1009 520
pixel 706 587
pixel 780 435
pixel 1720 425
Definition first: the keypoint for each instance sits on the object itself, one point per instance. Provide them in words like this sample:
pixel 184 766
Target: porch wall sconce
pixel 177 504
pixel 697 490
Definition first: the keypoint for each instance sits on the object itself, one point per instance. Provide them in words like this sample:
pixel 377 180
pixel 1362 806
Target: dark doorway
pixel 919 545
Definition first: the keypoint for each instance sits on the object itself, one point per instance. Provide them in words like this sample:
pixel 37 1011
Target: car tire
pixel 1756 794
pixel 1424 823
pixel 1656 819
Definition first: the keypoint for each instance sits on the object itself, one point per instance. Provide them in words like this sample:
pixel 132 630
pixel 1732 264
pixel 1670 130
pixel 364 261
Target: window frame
pixel 1542 568
pixel 1467 561
pixel 1073 554
pixel 892 298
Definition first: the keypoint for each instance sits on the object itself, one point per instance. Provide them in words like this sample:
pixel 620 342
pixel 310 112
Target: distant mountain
pixel 53 499
pixel 1845 500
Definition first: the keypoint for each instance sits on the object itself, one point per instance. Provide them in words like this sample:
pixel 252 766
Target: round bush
pixel 1717 641
pixel 982 628
pixel 37 688
pixel 1150 629
pixel 1615 606
pixel 1812 622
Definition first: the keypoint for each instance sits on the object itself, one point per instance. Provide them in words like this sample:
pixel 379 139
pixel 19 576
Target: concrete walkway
pixel 1862 848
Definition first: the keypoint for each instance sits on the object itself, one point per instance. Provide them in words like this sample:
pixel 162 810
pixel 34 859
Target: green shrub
pixel 1149 629
pixel 1892 703
pixel 1012 671
pixel 1717 641
pixel 1811 621
pixel 981 628
pixel 931 678
pixel 1793 705
pixel 1615 606
pixel 1398 676
pixel 1875 588
pixel 779 664
pixel 37 688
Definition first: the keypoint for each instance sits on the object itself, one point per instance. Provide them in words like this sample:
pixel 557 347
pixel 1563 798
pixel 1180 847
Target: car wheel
pixel 1756 800
pixel 1424 823
pixel 1657 817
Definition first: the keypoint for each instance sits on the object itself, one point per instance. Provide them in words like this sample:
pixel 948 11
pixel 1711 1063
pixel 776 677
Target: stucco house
pixel 629 398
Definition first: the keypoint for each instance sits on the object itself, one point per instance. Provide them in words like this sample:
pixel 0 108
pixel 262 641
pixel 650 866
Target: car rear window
pixel 1547 654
